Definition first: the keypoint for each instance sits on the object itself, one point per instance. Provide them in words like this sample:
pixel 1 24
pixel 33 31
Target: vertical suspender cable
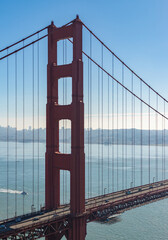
pixel 15 134
pixel 122 127
pixel 156 139
pixel 113 124
pixel 102 122
pixel 7 134
pixel 162 146
pixel 98 131
pixel 63 121
pixel 164 143
pixel 88 129
pixel 126 137
pixel 133 140
pixel 141 134
pixel 33 124
pixel 38 120
pixel 91 115
pixel 149 139
pixel 117 137
pixel 66 122
pixel 108 137
pixel 23 170
pixel 132 134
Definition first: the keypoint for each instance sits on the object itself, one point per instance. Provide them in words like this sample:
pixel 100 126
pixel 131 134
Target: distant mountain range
pixel 120 136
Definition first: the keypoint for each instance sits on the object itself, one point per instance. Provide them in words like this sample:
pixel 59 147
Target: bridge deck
pixel 96 208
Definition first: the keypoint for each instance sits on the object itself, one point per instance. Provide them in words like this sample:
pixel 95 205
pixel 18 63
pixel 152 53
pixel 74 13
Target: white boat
pixel 24 193
pixel 114 216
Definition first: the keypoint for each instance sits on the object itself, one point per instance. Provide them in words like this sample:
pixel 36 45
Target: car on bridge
pixel 2 227
pixel 18 219
pixel 128 192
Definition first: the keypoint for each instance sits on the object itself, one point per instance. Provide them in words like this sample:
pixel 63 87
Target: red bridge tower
pixel 56 161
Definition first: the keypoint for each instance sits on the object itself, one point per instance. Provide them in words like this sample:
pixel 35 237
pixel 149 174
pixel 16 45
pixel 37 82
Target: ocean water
pixel 26 168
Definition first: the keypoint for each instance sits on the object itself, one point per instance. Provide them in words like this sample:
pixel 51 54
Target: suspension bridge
pixel 82 136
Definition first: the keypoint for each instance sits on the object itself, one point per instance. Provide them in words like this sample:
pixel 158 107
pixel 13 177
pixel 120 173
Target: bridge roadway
pixel 58 221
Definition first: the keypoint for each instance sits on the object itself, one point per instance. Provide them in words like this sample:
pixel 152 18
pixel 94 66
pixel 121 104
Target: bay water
pixel 108 168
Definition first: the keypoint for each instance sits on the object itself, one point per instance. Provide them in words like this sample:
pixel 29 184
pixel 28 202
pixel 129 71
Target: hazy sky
pixel 137 31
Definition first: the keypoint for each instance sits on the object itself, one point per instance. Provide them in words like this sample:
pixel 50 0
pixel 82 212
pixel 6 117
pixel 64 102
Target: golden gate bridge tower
pixel 56 161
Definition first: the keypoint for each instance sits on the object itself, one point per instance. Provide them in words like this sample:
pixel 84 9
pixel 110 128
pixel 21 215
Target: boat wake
pixel 3 190
pixel 110 219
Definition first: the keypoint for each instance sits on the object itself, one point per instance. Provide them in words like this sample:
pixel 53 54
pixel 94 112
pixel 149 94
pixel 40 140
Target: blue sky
pixel 135 30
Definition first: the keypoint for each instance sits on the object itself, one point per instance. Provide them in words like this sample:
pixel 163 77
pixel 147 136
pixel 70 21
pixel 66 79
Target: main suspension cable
pixel 25 46
pixel 22 40
pixel 123 63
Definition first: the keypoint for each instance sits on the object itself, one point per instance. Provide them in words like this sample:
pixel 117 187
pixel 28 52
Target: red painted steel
pixel 56 161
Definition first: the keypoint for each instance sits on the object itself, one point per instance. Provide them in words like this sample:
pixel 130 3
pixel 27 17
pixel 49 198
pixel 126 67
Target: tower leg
pixel 56 161
pixel 78 228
